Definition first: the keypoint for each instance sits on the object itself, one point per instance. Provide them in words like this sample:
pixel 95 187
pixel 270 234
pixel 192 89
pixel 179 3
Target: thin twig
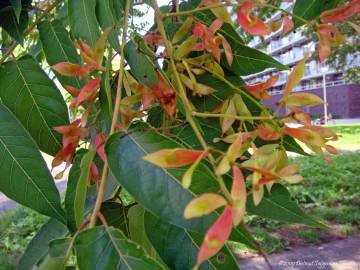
pixel 105 171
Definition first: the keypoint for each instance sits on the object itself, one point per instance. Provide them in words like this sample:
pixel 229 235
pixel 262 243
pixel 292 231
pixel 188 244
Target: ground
pixel 339 255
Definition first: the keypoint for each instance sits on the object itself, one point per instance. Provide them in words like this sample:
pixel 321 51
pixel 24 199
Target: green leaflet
pixel 98 248
pixel 116 215
pixel 179 248
pixel 25 177
pixel 119 6
pixel 59 252
pixel 14 27
pixel 83 22
pixel 310 9
pixel 91 193
pixel 38 246
pixel 105 97
pixel 80 197
pixel 58 47
pixel 153 186
pixel 291 145
pixel 249 61
pixel 77 189
pixel 142 67
pixel 210 130
pixel 107 17
pixel 136 216
pixel 223 91
pixel 73 179
pixel 138 234
pixel 16 4
pixel 34 99
pixel 278 205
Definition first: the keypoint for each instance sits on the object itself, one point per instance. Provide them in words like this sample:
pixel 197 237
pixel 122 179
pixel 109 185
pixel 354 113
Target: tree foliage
pixel 163 116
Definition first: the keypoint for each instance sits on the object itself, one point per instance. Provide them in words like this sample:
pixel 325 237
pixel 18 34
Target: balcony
pixel 309 87
pixel 285 43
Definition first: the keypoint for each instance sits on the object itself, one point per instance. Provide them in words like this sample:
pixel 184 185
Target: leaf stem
pixel 238 117
pixel 182 93
pixel 105 171
pixel 29 29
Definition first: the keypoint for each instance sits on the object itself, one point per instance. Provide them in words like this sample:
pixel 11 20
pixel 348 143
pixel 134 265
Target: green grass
pixel 349 137
pixel 309 235
pixel 329 192
pixel 344 214
pixel 347 142
pixel 269 243
pixel 347 230
pixel 328 184
pixel 17 227
pixel 345 128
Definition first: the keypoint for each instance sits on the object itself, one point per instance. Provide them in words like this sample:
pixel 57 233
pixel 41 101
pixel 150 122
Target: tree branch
pixel 105 171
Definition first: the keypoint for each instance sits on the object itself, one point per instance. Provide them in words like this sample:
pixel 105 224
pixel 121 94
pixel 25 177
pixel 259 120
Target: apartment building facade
pixel 343 98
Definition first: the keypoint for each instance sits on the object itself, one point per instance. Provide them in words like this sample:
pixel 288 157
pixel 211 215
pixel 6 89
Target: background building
pixel 343 98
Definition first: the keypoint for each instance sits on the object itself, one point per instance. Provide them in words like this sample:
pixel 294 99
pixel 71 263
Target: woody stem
pixel 182 93
pixel 105 171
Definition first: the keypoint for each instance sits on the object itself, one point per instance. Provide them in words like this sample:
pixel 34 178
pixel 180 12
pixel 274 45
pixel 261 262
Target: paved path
pixel 347 121
pixel 337 255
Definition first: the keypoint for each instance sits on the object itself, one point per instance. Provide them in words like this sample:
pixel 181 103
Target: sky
pixel 149 17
